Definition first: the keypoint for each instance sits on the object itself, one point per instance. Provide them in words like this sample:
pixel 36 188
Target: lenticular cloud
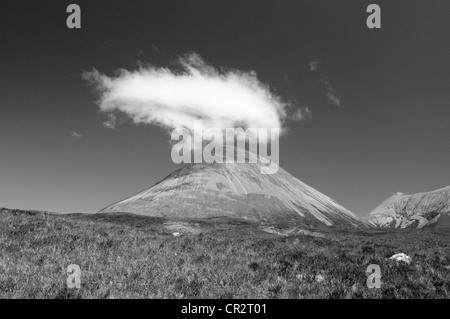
pixel 176 98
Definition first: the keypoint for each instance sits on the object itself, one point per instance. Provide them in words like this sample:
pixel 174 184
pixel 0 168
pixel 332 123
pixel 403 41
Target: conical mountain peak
pixel 239 191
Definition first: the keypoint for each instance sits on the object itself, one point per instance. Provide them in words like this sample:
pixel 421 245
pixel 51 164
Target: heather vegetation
pixel 127 256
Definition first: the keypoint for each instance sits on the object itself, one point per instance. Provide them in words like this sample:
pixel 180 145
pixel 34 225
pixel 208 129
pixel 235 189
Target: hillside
pixel 131 256
pixel 238 191
pixel 428 209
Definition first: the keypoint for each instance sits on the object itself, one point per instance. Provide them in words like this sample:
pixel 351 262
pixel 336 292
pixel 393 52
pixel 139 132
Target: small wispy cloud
pixel 331 94
pixel 157 50
pixel 313 65
pixel 75 134
pixel 330 91
pixel 301 114
pixel 110 122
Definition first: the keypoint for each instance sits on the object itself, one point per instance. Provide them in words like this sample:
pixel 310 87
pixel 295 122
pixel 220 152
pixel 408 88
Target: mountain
pixel 430 209
pixel 239 191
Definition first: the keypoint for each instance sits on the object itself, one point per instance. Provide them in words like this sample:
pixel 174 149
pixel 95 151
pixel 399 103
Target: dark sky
pixel 390 133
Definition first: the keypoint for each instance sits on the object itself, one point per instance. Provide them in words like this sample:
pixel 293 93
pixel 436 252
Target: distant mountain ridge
pixel 238 191
pixel 428 209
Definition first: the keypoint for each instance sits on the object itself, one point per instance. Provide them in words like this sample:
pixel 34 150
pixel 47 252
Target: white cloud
pixel 75 134
pixel 330 91
pixel 197 90
pixel 110 122
pixel 313 65
pixel 331 94
pixel 301 114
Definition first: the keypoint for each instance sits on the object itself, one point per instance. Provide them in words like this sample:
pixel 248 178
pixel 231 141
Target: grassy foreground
pixel 125 256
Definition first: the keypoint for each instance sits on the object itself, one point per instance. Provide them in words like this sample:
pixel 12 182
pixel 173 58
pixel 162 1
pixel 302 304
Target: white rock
pixel 176 234
pixel 401 257
pixel 320 278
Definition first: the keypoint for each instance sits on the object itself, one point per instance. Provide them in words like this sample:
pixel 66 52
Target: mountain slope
pixel 429 209
pixel 237 191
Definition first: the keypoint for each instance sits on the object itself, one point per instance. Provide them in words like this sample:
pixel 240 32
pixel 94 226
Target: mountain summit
pixel 429 209
pixel 239 191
